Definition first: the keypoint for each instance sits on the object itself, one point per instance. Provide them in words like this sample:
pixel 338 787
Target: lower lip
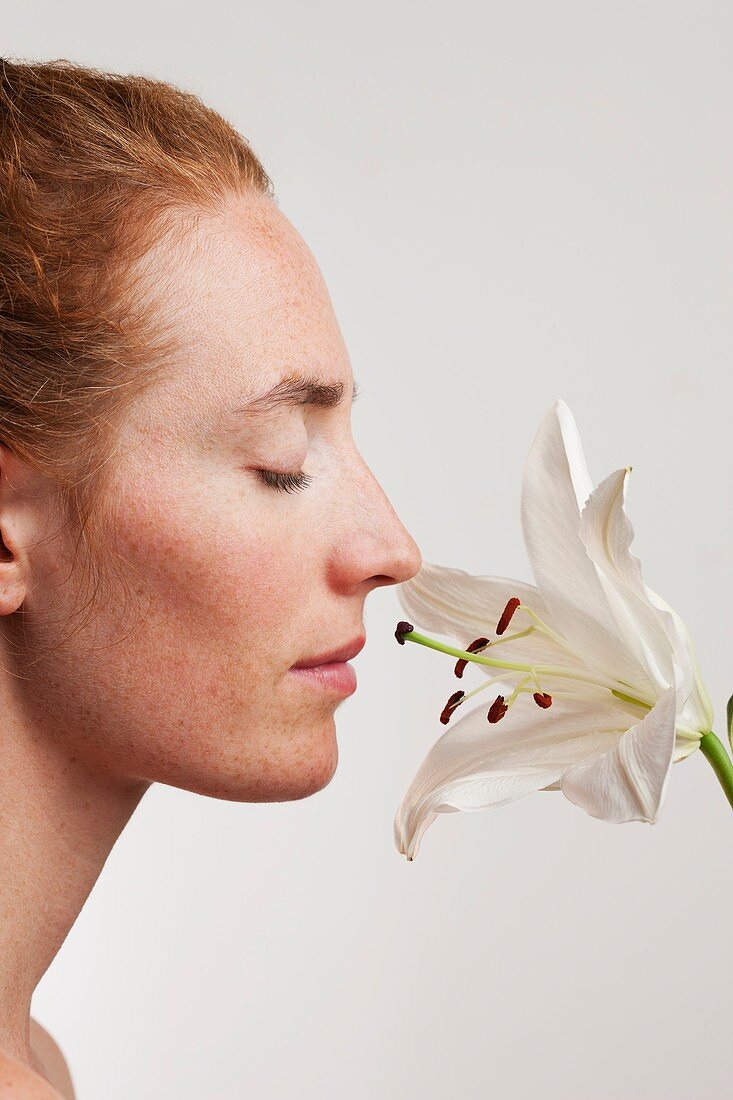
pixel 338 676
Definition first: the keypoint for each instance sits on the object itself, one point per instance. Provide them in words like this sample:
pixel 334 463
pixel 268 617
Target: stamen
pixel 450 706
pixel 482 687
pixel 542 699
pixel 520 689
pixel 507 614
pixel 584 676
pixel 497 710
pixel 514 637
pixel 475 647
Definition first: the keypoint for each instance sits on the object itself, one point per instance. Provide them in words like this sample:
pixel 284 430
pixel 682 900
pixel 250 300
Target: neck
pixel 59 820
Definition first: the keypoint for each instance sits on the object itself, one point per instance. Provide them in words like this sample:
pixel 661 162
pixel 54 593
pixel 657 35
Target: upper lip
pixel 343 653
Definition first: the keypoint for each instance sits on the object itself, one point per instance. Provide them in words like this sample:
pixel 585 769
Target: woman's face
pixel 184 674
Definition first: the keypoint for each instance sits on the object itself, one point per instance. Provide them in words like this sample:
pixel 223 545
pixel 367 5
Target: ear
pixel 22 509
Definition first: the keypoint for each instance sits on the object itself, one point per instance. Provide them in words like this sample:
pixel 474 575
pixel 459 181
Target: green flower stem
pixel 722 765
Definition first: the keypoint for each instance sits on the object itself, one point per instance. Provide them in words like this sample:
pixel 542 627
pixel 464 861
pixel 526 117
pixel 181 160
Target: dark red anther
pixel 497 710
pixel 474 647
pixel 542 699
pixel 403 628
pixel 450 706
pixel 507 613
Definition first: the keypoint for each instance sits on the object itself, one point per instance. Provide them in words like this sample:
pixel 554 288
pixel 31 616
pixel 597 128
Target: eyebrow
pixel 296 389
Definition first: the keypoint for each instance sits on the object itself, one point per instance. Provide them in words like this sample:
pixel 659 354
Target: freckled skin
pixel 213 586
pixel 181 675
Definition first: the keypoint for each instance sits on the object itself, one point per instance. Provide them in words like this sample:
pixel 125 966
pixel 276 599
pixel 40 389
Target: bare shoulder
pixel 17 1082
pixel 49 1055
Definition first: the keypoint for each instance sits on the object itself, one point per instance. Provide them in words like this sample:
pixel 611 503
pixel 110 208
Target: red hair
pixel 94 168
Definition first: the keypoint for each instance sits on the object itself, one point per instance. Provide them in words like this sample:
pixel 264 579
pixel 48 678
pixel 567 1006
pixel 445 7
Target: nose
pixel 375 549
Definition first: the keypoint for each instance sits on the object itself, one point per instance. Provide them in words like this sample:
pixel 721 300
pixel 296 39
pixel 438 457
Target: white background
pixel 510 204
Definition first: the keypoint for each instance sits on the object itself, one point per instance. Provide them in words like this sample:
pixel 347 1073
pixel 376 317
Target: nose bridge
pixel 377 541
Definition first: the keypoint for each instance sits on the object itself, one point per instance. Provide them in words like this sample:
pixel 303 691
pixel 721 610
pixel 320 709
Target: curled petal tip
pixel 403 628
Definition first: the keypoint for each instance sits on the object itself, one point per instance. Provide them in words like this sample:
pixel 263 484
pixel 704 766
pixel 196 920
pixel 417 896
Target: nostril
pixel 382 578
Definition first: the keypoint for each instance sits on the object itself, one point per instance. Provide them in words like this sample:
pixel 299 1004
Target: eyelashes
pixel 286 483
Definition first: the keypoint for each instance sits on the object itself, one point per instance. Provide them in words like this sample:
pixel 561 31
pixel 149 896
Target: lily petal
pixel 474 765
pixel 462 606
pixel 607 534
pixel 697 710
pixel 629 781
pixel 555 486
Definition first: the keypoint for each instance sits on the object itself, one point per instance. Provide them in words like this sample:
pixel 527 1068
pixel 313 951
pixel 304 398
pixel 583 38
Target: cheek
pixel 219 568
pixel 181 675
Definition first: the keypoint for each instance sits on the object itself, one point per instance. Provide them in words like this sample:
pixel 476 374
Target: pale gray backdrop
pixel 509 204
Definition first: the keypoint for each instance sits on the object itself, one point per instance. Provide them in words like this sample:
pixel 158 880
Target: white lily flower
pixel 598 686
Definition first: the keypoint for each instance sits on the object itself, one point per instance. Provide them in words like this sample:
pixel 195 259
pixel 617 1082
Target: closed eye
pixel 288 482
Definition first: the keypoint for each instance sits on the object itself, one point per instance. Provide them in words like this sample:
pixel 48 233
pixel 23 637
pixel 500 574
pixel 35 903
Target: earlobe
pixel 5 553
pixel 12 583
pixel 16 491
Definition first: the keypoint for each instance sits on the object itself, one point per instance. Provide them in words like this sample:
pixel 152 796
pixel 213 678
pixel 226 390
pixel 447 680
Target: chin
pixel 306 782
pixel 297 772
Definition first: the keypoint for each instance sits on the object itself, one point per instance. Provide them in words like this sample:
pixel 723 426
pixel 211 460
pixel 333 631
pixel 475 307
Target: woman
pixel 185 517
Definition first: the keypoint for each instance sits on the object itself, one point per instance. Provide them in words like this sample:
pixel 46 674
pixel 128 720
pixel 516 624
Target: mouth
pixel 330 671
pixel 334 656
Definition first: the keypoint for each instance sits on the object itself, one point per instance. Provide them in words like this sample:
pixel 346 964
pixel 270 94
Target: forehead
pixel 247 301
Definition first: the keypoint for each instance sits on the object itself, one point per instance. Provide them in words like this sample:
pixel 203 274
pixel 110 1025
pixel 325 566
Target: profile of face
pixel 233 579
